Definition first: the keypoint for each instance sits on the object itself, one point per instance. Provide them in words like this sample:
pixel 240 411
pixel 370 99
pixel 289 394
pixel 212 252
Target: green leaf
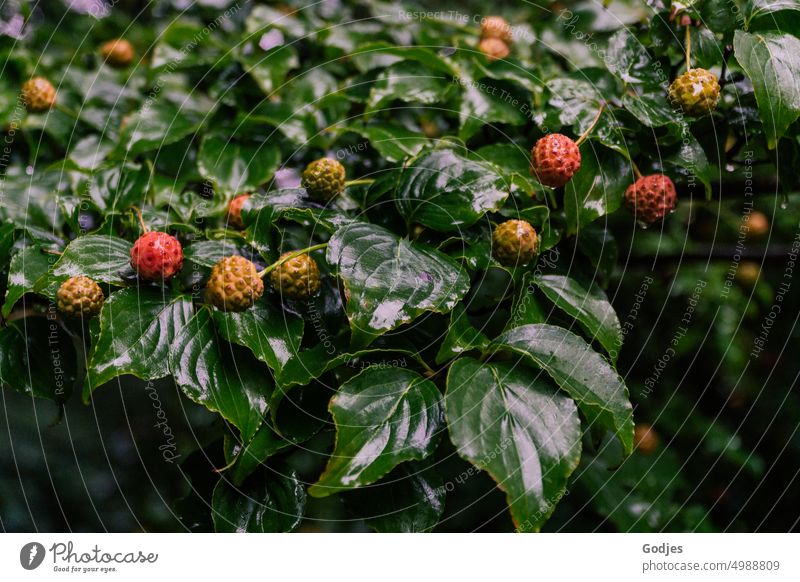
pixel 597 188
pixel 208 253
pixel 235 165
pixel 222 377
pixel 38 358
pixel 583 373
pixel 136 332
pixel 26 268
pixel 461 337
pixel 381 54
pixel 512 423
pixel 408 81
pixel 261 447
pixel 772 61
pixel 573 99
pixel 390 280
pixel 393 142
pixel 272 334
pixel 268 502
pixel 269 68
pixel 649 104
pixel 99 257
pixel 488 102
pixel 447 192
pixel 409 499
pixel 119 187
pixel 525 307
pixel 383 417
pixel 307 365
pixel 164 120
pixel 589 306
pixel 627 58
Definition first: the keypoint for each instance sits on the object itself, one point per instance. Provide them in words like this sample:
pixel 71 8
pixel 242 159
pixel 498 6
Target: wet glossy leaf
pixel 271 333
pixel 589 306
pixel 511 422
pixel 222 377
pixel 236 166
pixel 584 374
pixel 268 502
pixel 772 61
pixel 26 268
pixel 383 417
pixel 446 192
pixel 29 368
pixel 390 280
pixel 136 332
pixel 409 499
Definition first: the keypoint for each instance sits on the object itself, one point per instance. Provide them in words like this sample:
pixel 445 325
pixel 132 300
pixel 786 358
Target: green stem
pixel 67 111
pixel 688 47
pixel 289 257
pixel 365 181
pixel 431 372
pixel 589 129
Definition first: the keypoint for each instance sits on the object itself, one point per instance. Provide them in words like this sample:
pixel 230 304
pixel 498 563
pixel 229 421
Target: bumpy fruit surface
pixel 235 211
pixel 496 27
pixel 157 256
pixel 554 160
pixel 297 278
pixel 514 242
pixel 651 198
pixel 324 179
pixel 696 92
pixel 38 94
pixel 493 48
pixel 118 52
pixel 645 439
pixel 80 297
pixel 234 284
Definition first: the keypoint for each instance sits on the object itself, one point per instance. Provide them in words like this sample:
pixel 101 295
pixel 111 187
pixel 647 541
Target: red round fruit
pixel 235 211
pixel 554 160
pixel 156 256
pixel 651 198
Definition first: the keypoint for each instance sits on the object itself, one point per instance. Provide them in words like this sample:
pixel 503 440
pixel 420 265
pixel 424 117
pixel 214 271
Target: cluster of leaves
pixel 513 367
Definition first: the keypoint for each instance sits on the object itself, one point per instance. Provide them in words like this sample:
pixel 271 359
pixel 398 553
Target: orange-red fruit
pixel 758 225
pixel 651 198
pixel 493 48
pixel 157 256
pixel 554 160
pixel 496 27
pixel 38 94
pixel 646 439
pixel 118 52
pixel 235 211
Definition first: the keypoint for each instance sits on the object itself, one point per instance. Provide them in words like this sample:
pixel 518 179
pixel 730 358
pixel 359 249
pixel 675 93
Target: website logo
pixel 31 555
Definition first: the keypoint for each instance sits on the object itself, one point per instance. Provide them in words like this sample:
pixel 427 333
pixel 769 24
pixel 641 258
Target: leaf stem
pixel 636 171
pixel 138 214
pixel 67 111
pixel 365 181
pixel 589 129
pixel 289 257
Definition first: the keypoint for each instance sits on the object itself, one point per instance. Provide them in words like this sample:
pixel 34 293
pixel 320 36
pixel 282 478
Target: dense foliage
pixel 408 339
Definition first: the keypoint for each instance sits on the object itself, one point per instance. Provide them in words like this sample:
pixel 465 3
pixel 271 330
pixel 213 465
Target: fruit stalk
pixel 289 257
